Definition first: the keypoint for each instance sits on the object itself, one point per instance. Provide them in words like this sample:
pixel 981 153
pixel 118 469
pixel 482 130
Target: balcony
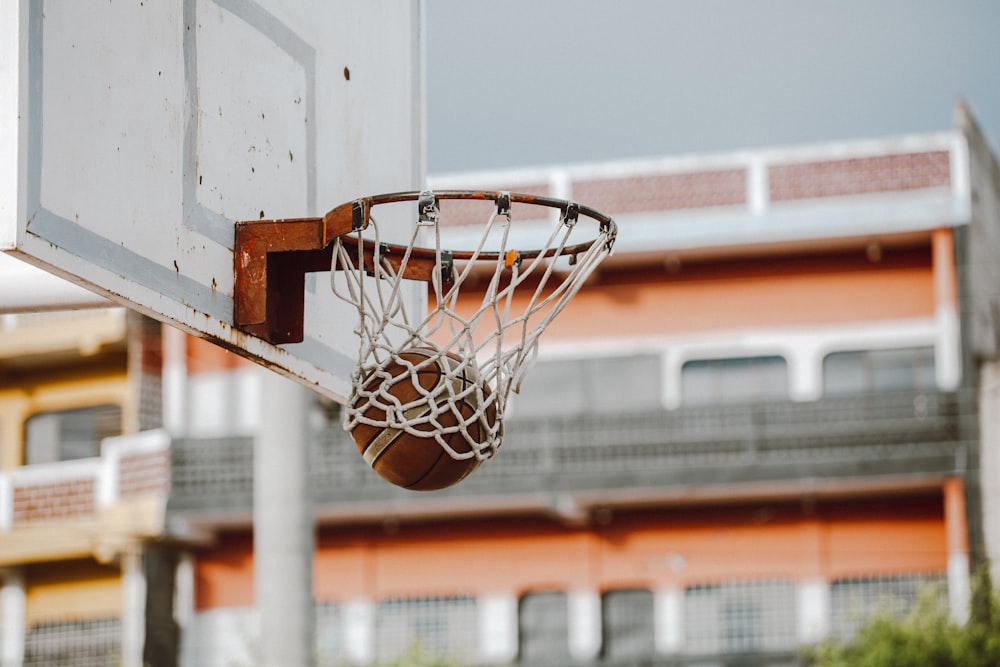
pixel 875 442
pixel 83 507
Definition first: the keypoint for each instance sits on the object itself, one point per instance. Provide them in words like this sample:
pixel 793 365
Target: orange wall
pixel 677 546
pixel 224 576
pixel 773 292
pixel 860 540
pixel 706 296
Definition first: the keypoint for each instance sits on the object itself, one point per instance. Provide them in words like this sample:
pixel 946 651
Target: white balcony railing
pixel 128 466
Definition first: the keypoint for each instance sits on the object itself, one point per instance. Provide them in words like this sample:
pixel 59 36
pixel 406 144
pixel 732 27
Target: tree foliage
pixel 418 656
pixel 926 637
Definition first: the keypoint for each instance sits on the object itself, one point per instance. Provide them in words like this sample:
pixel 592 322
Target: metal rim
pixel 569 212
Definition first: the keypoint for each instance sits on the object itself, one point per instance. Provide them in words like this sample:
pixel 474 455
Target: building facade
pixel 768 415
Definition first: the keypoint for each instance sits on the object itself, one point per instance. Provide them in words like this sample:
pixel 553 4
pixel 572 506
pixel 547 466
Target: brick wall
pixel 130 466
pixel 664 192
pixel 862 175
pixel 53 500
pixel 740 180
pixel 466 212
pixel 144 473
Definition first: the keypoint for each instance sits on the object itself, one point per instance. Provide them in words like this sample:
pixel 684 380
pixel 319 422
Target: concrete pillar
pixel 13 621
pixel 812 598
pixel 359 631
pixel 668 619
pixel 989 461
pixel 174 381
pixel 283 525
pixel 959 591
pixel 184 609
pixel 584 624
pixel 497 628
pixel 133 607
pixel 948 357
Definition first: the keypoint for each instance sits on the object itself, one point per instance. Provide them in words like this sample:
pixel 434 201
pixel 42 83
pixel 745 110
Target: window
pixel 742 617
pixel 439 627
pixel 543 629
pixel 708 381
pixel 69 434
pixel 602 385
pixel 330 648
pixel 878 370
pixel 853 601
pixel 628 625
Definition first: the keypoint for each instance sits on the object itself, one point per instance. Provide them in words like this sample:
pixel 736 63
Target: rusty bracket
pixel 272 257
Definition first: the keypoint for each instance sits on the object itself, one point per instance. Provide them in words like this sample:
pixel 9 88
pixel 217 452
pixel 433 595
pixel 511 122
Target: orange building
pixel 769 414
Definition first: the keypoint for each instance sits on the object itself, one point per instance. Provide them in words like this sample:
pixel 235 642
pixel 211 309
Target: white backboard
pixel 134 134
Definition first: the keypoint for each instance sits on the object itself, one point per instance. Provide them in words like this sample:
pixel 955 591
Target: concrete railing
pixel 128 466
pixel 904 434
pixel 818 191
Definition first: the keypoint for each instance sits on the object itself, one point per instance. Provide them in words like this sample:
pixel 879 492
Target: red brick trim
pixel 664 192
pixel 53 500
pixel 854 176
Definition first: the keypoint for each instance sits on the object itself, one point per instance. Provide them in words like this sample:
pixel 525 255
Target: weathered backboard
pixel 133 135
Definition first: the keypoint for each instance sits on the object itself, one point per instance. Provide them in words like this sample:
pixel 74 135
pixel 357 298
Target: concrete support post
pixel 13 622
pixel 584 624
pixel 174 381
pixel 283 525
pixel 813 602
pixel 959 591
pixel 497 628
pixel 358 624
pixel 948 357
pixel 184 609
pixel 133 607
pixel 989 461
pixel 668 620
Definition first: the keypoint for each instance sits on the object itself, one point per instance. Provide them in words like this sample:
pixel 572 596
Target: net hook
pixel 358 217
pixel 571 214
pixel 427 208
pixel 447 266
pixel 503 205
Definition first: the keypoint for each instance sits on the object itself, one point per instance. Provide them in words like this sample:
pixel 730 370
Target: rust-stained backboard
pixel 133 135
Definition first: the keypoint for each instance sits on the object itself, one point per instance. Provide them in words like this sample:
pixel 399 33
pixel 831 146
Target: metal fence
pixel 897 433
pixel 73 643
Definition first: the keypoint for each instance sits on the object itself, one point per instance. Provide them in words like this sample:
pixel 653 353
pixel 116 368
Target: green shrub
pixel 926 637
pixel 417 656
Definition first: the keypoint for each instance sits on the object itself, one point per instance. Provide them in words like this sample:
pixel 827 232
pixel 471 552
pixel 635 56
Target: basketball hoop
pixel 489 303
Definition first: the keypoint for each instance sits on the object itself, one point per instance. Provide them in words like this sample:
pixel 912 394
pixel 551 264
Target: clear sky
pixel 533 82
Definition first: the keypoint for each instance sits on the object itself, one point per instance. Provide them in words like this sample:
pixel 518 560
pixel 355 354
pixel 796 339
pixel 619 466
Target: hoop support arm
pixel 271 258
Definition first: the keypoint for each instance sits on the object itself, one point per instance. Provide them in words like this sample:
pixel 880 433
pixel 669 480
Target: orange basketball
pixel 411 461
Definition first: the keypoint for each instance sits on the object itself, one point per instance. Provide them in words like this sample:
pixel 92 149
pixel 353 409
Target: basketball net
pixel 494 339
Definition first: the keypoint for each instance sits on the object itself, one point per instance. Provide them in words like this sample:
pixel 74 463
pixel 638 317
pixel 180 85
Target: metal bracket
pixel 503 205
pixel 358 220
pixel 427 208
pixel 447 266
pixel 571 214
pixel 383 252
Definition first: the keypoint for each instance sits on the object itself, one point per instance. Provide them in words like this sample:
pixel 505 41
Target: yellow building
pixel 79 489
